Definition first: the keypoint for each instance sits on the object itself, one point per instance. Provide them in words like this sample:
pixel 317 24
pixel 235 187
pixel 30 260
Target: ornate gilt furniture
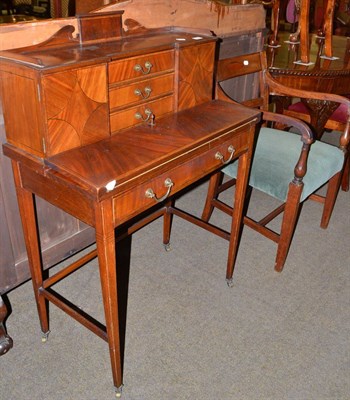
pixel 286 166
pixel 109 127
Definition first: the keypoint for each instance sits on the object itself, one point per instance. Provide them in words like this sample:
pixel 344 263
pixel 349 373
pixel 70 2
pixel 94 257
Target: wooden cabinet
pixel 46 114
pixel 65 94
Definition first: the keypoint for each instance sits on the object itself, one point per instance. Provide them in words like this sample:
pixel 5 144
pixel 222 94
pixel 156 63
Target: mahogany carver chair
pixel 286 166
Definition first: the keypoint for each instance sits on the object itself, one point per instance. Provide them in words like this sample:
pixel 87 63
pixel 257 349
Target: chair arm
pixel 307 135
pixel 307 139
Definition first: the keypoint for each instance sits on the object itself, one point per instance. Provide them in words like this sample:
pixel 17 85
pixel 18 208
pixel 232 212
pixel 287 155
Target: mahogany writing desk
pixel 131 176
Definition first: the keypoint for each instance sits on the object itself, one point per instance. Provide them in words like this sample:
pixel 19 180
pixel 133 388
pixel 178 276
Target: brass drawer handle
pixel 149 115
pixel 219 156
pixel 143 94
pixel 147 70
pixel 168 183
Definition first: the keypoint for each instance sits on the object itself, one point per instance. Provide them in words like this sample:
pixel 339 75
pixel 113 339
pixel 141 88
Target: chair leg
pixel 168 219
pixel 214 183
pixel 290 218
pixel 346 176
pixel 331 196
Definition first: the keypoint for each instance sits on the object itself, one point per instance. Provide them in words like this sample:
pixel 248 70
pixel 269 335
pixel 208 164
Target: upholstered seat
pixel 288 166
pixel 272 175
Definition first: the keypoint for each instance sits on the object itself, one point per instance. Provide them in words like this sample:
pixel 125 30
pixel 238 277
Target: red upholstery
pixel 339 114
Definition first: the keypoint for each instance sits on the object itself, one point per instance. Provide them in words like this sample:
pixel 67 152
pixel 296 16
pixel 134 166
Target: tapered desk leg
pixel 237 215
pixel 106 251
pixel 31 237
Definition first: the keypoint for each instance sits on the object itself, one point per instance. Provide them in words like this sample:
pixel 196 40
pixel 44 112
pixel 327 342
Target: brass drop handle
pixel 145 70
pixel 168 183
pixel 219 156
pixel 143 94
pixel 149 115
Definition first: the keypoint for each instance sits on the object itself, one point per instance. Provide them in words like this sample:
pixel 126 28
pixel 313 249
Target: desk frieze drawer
pixel 138 67
pixel 141 91
pixel 147 194
pixel 142 113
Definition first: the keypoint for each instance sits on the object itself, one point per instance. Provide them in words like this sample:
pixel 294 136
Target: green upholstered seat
pixel 275 157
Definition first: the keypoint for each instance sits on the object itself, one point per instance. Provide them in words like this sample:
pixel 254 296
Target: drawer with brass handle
pixel 141 91
pixel 146 112
pixel 156 190
pixel 139 67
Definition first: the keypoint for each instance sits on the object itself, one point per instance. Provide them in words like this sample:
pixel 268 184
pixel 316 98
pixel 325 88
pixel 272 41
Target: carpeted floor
pixel 190 337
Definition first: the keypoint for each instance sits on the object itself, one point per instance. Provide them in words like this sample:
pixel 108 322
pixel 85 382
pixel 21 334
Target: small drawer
pixel 136 200
pixel 142 113
pixel 141 91
pixel 138 67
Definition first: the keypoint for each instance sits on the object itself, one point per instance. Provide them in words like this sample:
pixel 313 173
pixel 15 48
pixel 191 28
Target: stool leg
pixel 106 251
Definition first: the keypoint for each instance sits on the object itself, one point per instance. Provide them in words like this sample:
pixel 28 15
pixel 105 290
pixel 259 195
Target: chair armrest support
pixel 307 139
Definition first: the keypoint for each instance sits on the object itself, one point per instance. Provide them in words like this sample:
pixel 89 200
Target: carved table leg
pixel 6 342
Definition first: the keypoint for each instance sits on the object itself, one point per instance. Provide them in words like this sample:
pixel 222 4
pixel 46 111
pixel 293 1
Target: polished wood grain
pixel 195 75
pixel 141 91
pixel 61 79
pixel 145 112
pixel 125 69
pixel 85 161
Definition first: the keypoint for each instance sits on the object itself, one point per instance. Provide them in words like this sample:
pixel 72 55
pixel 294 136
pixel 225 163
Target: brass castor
pixel 167 246
pixel 44 336
pixel 229 282
pixel 118 392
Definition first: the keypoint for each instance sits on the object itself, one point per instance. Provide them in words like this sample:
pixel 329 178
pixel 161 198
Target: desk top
pixel 127 156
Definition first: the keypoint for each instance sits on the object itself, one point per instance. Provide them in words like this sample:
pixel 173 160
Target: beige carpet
pixel 188 336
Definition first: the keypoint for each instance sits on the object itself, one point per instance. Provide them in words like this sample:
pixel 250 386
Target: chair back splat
pixel 286 165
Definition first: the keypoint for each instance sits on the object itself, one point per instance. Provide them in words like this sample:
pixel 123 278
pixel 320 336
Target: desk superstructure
pixel 109 127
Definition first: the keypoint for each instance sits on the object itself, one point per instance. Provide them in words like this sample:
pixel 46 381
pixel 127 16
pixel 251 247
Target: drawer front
pixel 141 91
pixel 132 116
pixel 134 201
pixel 138 67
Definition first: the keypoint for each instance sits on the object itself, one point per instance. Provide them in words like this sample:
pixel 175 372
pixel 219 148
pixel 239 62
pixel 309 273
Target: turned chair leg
pixel 331 196
pixel 167 223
